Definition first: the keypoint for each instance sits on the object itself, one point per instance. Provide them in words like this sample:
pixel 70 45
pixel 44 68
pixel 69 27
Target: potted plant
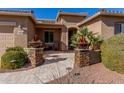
pixel 79 40
pixel 82 43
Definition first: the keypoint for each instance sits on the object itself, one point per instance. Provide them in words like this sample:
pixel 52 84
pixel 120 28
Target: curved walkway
pixel 55 66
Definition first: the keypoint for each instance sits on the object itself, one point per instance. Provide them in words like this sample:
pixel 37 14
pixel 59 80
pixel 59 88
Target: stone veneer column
pixel 20 37
pixel 64 37
pixel 35 56
pixel 85 57
pixel 82 57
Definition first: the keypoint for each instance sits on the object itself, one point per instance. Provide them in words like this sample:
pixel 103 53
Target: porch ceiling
pixel 49 26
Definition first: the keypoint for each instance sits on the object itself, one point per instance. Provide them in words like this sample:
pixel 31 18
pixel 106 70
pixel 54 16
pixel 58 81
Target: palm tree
pixel 83 38
pixel 95 43
pixel 79 39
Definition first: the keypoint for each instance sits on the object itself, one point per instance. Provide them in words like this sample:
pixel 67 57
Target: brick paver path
pixel 55 66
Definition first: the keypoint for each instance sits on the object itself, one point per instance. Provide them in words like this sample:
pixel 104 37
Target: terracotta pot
pixel 83 46
pixel 96 46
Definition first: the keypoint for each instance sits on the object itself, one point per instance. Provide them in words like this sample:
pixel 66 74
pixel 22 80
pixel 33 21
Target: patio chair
pixel 56 45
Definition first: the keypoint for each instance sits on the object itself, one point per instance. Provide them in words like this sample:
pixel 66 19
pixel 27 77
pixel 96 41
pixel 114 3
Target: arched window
pixel 119 28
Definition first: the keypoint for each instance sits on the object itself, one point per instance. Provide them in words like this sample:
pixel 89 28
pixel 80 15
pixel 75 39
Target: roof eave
pixel 90 18
pixel 100 14
pixel 64 14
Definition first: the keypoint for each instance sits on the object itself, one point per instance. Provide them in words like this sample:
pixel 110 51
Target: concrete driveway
pixel 55 66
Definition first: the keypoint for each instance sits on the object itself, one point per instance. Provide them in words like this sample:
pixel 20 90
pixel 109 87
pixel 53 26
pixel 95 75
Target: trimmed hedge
pixel 13 58
pixel 112 53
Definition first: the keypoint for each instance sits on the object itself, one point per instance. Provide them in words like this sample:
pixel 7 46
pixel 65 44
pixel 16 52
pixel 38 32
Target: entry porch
pixel 55 36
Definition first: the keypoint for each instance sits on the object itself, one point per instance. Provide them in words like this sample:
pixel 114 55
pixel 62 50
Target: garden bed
pixel 27 66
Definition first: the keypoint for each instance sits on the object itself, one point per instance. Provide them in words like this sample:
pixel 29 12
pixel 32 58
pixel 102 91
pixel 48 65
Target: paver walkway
pixel 55 66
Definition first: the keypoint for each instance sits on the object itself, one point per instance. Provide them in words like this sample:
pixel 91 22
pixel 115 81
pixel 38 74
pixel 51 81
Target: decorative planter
pixel 83 46
pixel 95 56
pixel 35 56
pixel 86 57
pixel 81 57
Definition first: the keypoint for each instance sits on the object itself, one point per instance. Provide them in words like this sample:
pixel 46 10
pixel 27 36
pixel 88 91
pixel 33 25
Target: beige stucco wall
pixel 20 20
pixel 104 25
pixel 67 20
pixel 30 29
pixel 6 36
pixel 94 26
pixel 20 37
pixel 13 38
pixel 108 27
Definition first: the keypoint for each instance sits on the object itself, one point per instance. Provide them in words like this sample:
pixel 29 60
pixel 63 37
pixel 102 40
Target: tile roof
pixel 60 13
pixel 102 13
pixel 16 12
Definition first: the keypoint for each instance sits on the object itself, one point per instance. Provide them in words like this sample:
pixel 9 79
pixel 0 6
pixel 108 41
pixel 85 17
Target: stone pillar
pixel 81 57
pixel 86 57
pixel 64 38
pixel 95 56
pixel 35 56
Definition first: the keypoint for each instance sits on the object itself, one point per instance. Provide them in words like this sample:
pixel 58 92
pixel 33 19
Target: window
pixel 48 37
pixel 119 28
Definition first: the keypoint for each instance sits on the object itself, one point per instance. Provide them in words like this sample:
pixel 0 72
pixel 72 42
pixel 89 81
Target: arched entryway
pixel 71 32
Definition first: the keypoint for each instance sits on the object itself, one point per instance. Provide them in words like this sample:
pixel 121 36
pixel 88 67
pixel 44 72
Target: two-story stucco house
pixel 17 28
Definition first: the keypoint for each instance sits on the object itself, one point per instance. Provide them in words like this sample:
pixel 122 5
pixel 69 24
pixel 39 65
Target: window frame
pixel 120 23
pixel 50 33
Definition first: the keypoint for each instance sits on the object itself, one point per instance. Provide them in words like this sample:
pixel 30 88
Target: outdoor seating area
pixel 52 46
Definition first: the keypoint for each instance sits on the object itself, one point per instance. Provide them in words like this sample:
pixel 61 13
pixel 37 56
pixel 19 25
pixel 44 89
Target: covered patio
pixel 50 35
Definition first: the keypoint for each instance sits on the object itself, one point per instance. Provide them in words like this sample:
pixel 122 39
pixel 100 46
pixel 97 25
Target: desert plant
pixel 13 58
pixel 112 53
pixel 17 48
pixel 74 40
pixel 80 38
pixel 95 41
pixel 84 37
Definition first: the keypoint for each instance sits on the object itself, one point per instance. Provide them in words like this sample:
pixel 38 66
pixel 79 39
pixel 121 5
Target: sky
pixel 50 13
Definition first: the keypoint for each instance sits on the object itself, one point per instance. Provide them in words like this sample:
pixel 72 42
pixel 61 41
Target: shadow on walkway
pixel 53 60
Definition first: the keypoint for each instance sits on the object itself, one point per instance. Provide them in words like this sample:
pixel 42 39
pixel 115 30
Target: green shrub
pixel 112 52
pixel 14 57
pixel 13 60
pixel 18 48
